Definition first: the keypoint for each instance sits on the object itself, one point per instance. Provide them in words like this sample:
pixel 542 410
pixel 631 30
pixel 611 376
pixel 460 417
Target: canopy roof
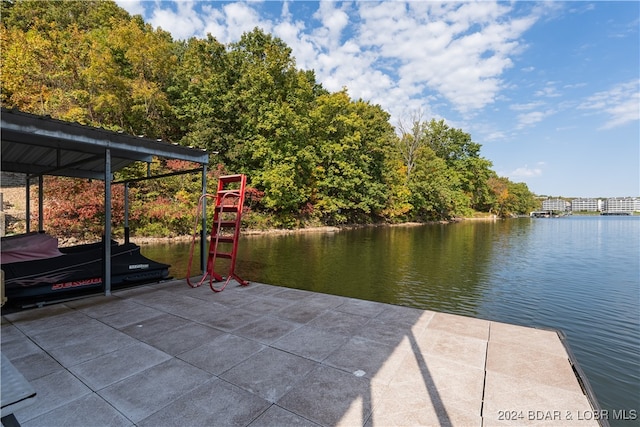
pixel 39 145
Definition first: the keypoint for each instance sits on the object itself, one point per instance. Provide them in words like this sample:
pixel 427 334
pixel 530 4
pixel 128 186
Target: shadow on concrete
pixel 262 355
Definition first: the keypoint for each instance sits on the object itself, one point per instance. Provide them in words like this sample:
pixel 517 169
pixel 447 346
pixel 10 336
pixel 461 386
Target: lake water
pixel 578 274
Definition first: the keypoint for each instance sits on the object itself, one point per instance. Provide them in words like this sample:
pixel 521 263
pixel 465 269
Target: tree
pixel 351 140
pixel 145 59
pixel 461 154
pixel 412 138
pixel 435 188
pixel 199 97
pixel 510 198
pixel 461 162
pixel 84 15
pixel 75 207
pixel 310 155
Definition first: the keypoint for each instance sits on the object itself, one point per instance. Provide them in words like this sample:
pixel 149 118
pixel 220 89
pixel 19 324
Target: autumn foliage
pixel 312 157
pixel 75 207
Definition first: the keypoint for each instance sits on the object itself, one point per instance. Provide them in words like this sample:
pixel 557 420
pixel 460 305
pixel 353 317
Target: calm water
pixel 577 274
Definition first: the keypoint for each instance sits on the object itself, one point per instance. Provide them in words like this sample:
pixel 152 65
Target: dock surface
pixel 170 355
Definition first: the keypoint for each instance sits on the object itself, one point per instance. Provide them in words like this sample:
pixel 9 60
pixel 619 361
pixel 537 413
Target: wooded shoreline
pixel 307 230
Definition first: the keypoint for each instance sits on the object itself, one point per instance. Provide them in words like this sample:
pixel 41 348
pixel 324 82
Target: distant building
pixel 622 204
pixel 557 205
pixel 587 205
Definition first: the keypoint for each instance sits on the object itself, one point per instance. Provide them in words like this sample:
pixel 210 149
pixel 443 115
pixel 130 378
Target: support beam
pixel 41 203
pixel 27 198
pixel 106 275
pixel 203 232
pixel 126 212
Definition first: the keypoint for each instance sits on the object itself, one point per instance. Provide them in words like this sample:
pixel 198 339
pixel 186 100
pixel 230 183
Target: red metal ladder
pixel 225 230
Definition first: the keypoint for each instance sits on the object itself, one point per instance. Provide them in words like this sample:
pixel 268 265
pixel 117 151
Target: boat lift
pixel 225 231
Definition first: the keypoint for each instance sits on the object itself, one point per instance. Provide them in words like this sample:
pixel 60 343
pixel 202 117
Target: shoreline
pixel 149 240
pixel 305 230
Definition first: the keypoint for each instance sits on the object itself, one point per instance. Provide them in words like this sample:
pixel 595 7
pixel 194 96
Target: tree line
pixel 311 156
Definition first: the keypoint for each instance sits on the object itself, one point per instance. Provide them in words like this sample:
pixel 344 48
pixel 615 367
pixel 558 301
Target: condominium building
pixel 556 205
pixel 622 204
pixel 587 205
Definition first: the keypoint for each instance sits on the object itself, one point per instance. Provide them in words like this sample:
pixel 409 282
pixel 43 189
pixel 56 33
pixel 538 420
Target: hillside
pixel 312 157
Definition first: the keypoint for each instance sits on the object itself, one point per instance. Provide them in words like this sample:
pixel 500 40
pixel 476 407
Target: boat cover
pixel 74 270
pixel 28 247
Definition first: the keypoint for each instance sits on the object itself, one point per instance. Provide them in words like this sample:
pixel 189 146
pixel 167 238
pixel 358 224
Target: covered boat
pixel 36 271
pixel 38 146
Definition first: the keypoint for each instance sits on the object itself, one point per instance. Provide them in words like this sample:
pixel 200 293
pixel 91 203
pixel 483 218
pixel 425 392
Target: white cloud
pixel 548 91
pixel 457 50
pixel 134 7
pixel 527 106
pixel 527 172
pixel 531 118
pixel 396 54
pixel 182 23
pixel 621 103
pixel 333 21
pixel 228 22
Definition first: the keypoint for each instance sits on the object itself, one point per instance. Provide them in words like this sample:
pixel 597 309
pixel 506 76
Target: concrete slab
pixel 90 347
pixel 19 346
pixel 88 410
pixel 312 343
pixel 145 393
pixel 276 416
pixel 221 353
pixel 330 397
pixel 214 403
pixel 183 338
pixel 267 329
pixel 269 373
pixel 117 365
pixel 52 392
pixel 171 355
pixel 36 365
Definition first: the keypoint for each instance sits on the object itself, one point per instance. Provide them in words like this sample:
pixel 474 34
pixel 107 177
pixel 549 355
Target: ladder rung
pixel 232 193
pixel 230 178
pixel 227 208
pixel 226 240
pixel 223 255
pixel 226 223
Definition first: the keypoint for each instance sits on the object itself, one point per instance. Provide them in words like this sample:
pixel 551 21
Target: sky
pixel 551 90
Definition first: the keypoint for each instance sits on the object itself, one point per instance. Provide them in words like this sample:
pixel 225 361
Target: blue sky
pixel 551 90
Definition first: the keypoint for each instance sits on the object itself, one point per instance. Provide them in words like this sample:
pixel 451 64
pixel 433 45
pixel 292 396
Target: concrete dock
pixel 169 355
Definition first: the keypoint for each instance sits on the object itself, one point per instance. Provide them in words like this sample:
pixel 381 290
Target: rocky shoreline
pixel 142 240
pixel 278 231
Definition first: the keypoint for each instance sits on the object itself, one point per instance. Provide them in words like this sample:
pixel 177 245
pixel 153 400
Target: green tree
pixel 460 163
pixel 272 99
pixel 310 155
pixel 510 198
pixel 461 154
pixel 145 59
pixel 84 15
pixel 199 95
pixel 435 188
pixel 412 137
pixel 351 140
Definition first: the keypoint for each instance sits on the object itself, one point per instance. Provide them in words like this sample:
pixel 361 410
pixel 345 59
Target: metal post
pixel 126 212
pixel 27 213
pixel 107 223
pixel 203 232
pixel 41 203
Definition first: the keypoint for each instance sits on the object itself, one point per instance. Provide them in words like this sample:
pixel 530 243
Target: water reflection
pixel 437 267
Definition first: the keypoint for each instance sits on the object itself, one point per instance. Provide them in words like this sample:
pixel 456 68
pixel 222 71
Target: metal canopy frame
pixel 40 145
